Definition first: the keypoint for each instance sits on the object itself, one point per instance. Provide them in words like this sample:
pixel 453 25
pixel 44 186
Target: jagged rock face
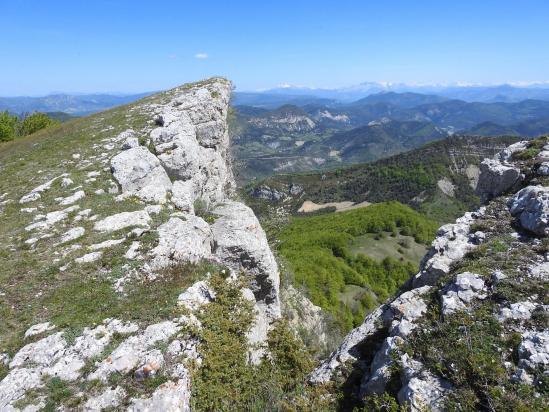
pixel 371 350
pixel 192 143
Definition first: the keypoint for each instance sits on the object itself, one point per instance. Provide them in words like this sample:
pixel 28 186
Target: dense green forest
pixel 12 126
pixel 318 251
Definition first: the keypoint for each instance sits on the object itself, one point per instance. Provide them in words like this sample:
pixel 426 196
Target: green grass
pixel 321 251
pixel 33 288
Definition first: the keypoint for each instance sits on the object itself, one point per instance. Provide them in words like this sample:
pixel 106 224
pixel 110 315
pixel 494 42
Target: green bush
pixel 12 126
pixel 35 122
pixel 226 380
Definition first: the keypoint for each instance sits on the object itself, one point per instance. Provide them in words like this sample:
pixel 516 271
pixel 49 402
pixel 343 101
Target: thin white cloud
pixel 201 56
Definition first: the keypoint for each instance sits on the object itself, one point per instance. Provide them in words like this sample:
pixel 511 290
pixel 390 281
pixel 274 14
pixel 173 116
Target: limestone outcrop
pixel 384 348
pixel 170 201
pixel 531 206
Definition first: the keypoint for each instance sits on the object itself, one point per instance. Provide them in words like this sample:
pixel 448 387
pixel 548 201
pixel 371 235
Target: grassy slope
pixel 33 289
pixel 321 252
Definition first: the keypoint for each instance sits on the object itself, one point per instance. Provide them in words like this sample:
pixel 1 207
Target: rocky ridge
pixel 489 267
pixel 173 175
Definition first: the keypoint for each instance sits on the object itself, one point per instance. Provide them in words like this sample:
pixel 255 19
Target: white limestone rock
pixel 506 155
pixel 133 250
pixel 38 329
pixel 183 240
pixel 302 314
pixel 421 390
pixel 169 397
pixel 34 194
pixel 405 310
pixel 44 222
pixel 349 350
pixel 195 296
pixel 531 206
pixel 66 182
pixel 183 195
pixel 126 134
pixel 123 220
pixel 241 244
pixel 140 173
pixel 42 353
pixel 183 161
pixel 453 241
pixel 132 351
pixel 130 143
pixel 380 368
pixel 89 257
pixel 496 178
pixel 461 291
pixel 533 351
pixel 106 244
pixel 16 384
pixel 109 398
pixel 517 311
pixel 539 271
pixel 72 234
pixel 543 169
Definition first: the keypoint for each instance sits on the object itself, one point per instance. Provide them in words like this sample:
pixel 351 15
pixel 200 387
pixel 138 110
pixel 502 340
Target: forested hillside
pixel 330 256
pixel 438 179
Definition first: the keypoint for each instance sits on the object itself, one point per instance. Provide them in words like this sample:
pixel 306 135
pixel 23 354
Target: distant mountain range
pixel 76 105
pixel 321 134
pixel 469 93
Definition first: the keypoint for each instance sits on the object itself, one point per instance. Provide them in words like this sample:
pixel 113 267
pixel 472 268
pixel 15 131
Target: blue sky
pixel 133 46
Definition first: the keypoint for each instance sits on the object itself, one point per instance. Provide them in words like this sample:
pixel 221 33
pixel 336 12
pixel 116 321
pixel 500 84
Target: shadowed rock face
pixel 439 283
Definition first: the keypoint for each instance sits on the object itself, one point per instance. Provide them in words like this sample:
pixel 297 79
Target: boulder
pixel 188 240
pixel 531 206
pixel 543 169
pixel 242 244
pixel 506 155
pixel 140 174
pixel 496 178
pixel 184 161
